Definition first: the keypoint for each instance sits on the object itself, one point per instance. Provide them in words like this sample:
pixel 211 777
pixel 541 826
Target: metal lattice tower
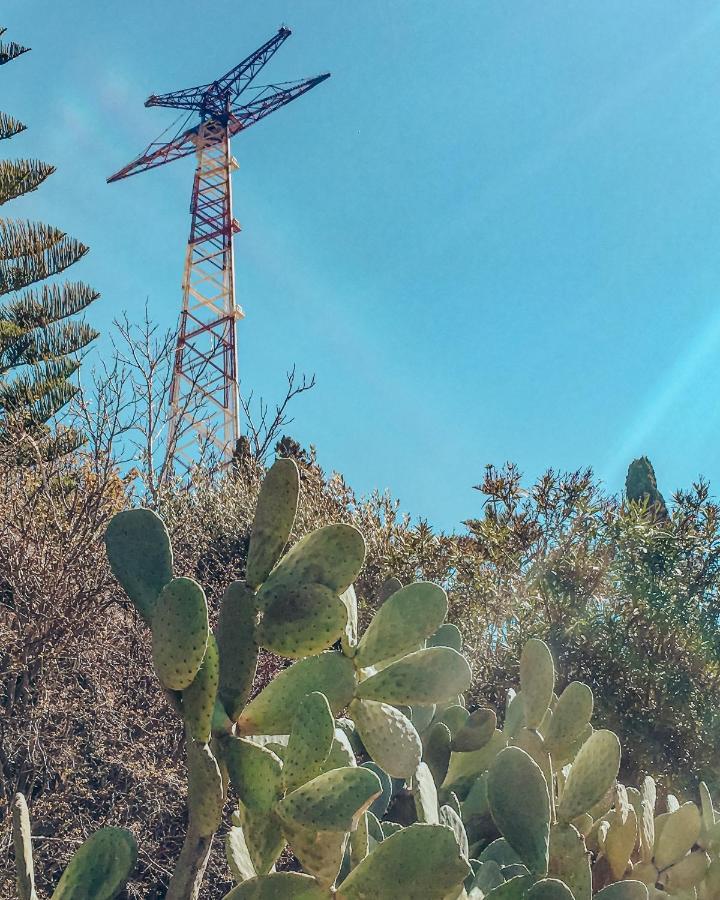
pixel 204 403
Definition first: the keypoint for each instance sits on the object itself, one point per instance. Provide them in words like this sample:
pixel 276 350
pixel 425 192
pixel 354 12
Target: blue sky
pixel 494 234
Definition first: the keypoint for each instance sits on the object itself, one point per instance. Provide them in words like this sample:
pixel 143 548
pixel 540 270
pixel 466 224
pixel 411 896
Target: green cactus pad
pixel 300 620
pixel 179 633
pixel 537 681
pixel 310 741
pixel 422 716
pixel 256 776
pixel 349 636
pixel 571 715
pixel 687 873
pixel 569 860
pixel 447 635
pixel 331 802
pixel 274 708
pixel 235 635
pixel 332 555
pixel 100 868
pixel 379 806
pixel 437 867
pixel 501 852
pixel 476 732
pixel 402 623
pixel 22 843
pixel 436 752
pixel 620 842
pixel 205 789
pixel 278 886
pixel 514 714
pixel 680 831
pixel 514 889
pixel 707 816
pixel 623 890
pixel 140 556
pixel 423 677
pixel 464 768
pixel 198 700
pixel 359 842
pixel 387 589
pixel 454 717
pixel 274 517
pixel 321 853
pixel 341 752
pixel 592 775
pixel 520 806
pixel 549 889
pixel 388 736
pixel 449 817
pixel 488 876
pixel 531 742
pixel 425 795
pixel 238 856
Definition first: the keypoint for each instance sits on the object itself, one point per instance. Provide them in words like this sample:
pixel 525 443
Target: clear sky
pixel 493 234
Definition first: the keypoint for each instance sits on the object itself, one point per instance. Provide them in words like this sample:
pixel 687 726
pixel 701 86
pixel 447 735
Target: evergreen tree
pixel 40 341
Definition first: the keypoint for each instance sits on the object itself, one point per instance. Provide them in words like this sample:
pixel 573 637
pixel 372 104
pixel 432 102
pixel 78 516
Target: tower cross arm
pixel 215 96
pixel 269 99
pixel 158 154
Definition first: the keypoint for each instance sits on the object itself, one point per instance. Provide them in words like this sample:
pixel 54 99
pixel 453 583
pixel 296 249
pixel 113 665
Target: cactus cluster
pixel 361 756
pixel 288 756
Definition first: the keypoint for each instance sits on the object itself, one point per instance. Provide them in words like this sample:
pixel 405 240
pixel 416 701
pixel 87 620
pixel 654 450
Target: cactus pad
pixel 549 889
pixel 569 860
pixel 321 853
pixel 436 869
pixel 447 635
pixel 520 806
pixel 310 741
pixel 436 752
pixel 623 890
pixel 425 794
pixel 402 623
pixel 592 775
pixel 537 681
pixel 198 700
pixel 333 801
pixel 140 556
pixel 680 830
pixel 100 868
pixel 379 806
pixel 274 708
pixel 238 855
pixel 389 737
pixel 332 555
pixel 256 776
pixel 424 677
pixel 22 843
pixel 620 841
pixel 300 620
pixel 450 818
pixel 571 715
pixel 278 886
pixel 687 873
pixel 205 789
pixel 235 635
pixel 180 633
pixel 476 732
pixel 274 517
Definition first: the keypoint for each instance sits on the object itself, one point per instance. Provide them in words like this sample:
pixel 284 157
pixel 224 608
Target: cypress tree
pixel 40 340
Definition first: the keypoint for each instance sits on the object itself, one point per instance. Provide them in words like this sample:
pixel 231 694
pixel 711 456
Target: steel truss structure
pixel 204 402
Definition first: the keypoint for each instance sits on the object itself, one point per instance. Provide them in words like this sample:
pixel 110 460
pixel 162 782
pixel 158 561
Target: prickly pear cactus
pixel 446 805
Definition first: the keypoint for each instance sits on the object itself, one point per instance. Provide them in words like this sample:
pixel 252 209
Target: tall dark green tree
pixel 41 341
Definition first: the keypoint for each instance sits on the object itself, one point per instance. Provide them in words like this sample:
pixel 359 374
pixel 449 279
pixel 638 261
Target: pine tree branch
pixel 20 273
pixel 10 126
pixel 11 50
pixel 19 237
pixel 38 307
pixel 18 177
